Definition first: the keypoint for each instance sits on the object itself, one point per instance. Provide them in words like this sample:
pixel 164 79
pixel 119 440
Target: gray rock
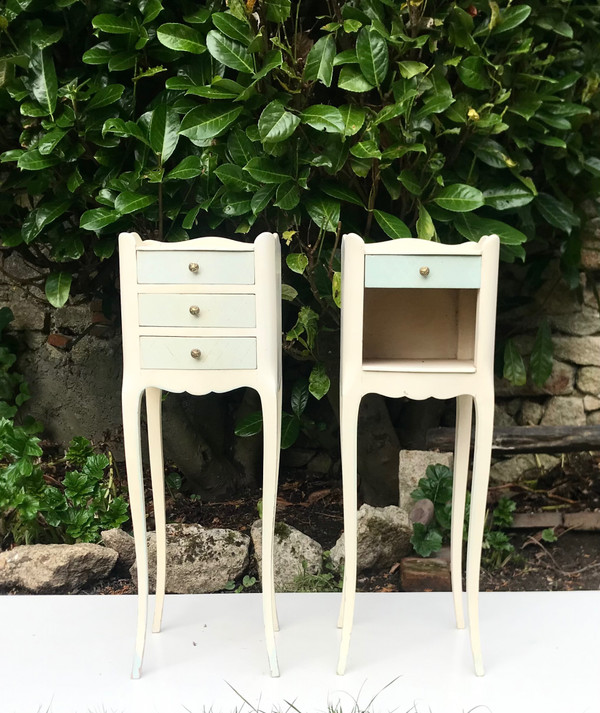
pixel 531 413
pixel 584 351
pixel 502 419
pixel 294 554
pixel 199 559
pixel 513 407
pixel 122 543
pixel 579 324
pixel 423 512
pixel 383 538
pixel 590 258
pixel 588 380
pixel 29 314
pixel 321 463
pixel 47 569
pixel 560 382
pixel 564 411
pixel 591 403
pixel 593 418
pixel 76 318
pixel 518 467
pixel 412 467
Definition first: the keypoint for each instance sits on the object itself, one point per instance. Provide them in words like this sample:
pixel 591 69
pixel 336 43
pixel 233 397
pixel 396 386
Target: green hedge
pixel 439 120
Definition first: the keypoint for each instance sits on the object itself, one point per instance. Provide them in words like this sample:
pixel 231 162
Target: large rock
pixel 122 543
pixel 579 324
pixel 584 351
pixel 411 468
pixel 47 569
pixel 588 380
pixel 526 465
pixel 591 403
pixel 199 559
pixel 564 411
pixel 383 538
pixel 560 382
pixel 502 419
pixel 295 554
pixel 593 418
pixel 531 413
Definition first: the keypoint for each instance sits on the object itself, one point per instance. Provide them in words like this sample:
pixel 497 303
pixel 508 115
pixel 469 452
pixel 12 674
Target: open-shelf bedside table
pixel 199 316
pixel 418 320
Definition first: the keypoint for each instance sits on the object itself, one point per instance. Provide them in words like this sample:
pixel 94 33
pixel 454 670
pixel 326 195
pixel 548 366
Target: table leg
pixel 349 407
pixel 484 423
pixel 271 441
pixel 135 481
pixel 462 449
pixel 157 472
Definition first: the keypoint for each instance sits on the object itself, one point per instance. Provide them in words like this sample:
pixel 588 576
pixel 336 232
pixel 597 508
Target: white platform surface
pixel 72 654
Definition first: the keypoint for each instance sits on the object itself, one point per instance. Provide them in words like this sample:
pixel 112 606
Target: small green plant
pixel 548 535
pixel 328 581
pixel 74 510
pixel 428 539
pixel 246 583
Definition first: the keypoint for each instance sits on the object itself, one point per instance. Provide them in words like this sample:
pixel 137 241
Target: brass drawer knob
pixel 424 271
pixel 195 310
pixel 195 353
pixel 193 266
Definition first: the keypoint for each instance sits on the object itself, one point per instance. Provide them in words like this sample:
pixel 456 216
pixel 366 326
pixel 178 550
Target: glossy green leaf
pixel 540 362
pixel 352 80
pixel 512 17
pixel 393 227
pixel 164 131
pixel 592 165
pixel 276 123
pixel 233 27
pixel 50 141
pixel 261 199
pixel 106 96
pixel 45 84
pixel 122 61
pixel 557 213
pixel 114 25
pixel 318 381
pixel 265 170
pixel 409 69
pixel 98 218
pixel 207 121
pixel 472 227
pixel 229 52
pixel 278 10
pixel 345 57
pixel 58 287
pixel 324 212
pixel 341 192
pixel 42 216
pixel 250 425
pixel 32 160
pixel 240 148
pixel 288 293
pixel 372 55
pixel 336 288
pixel 180 38
pixel 234 204
pixel 366 149
pixel 323 118
pixel 459 198
pixel 319 62
pixel 299 397
pixel 354 118
pixel 129 202
pixel 234 177
pixel 99 54
pixel 507 197
pixel 297 262
pixel 189 167
pixel 290 428
pixel 473 74
pixel 514 368
pixel 425 226
pixel 288 196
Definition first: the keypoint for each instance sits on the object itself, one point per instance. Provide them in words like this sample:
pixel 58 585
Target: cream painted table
pixel 418 320
pixel 198 316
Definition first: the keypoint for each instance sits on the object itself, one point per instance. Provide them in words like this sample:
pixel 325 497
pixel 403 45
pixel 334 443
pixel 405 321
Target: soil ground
pixel 313 504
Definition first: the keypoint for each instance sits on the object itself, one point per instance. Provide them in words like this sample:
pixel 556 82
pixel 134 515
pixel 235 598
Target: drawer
pixel 442 271
pixel 197 310
pixel 176 267
pixel 215 352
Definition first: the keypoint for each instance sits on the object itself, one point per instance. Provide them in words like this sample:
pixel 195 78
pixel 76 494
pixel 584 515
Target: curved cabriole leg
pixel 348 436
pixel 135 483
pixel 271 441
pixel 157 472
pixel 484 423
pixel 462 449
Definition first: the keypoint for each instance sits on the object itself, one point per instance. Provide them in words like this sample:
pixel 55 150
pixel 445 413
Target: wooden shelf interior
pixel 419 325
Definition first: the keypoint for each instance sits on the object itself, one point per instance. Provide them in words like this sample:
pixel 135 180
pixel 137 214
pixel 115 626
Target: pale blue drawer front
pixel 445 271
pixel 214 267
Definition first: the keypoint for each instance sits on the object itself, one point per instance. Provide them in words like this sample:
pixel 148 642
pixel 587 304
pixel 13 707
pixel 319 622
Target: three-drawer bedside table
pixel 418 320
pixel 199 316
